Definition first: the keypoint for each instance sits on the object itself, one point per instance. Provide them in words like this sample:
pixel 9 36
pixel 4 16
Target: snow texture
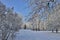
pixel 36 35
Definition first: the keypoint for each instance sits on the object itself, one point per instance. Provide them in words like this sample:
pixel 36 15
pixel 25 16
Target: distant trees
pixel 10 22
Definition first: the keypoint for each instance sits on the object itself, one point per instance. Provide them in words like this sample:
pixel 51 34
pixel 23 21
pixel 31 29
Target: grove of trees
pixel 45 14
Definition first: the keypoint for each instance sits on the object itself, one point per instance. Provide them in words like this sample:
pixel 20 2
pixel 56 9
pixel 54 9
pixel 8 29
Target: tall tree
pixel 10 22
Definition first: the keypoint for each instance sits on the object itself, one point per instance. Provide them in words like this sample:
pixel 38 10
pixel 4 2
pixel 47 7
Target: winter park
pixel 29 19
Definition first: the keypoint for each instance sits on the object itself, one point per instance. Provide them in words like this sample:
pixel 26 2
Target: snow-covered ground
pixel 36 35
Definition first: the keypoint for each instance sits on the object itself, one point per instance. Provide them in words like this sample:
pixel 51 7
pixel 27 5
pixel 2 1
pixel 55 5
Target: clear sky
pixel 19 6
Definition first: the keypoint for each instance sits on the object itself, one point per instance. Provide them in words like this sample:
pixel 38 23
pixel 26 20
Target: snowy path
pixel 39 35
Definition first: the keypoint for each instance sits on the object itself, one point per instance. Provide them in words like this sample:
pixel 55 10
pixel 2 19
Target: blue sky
pixel 19 6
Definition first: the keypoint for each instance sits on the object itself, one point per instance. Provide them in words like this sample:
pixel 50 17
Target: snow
pixel 36 35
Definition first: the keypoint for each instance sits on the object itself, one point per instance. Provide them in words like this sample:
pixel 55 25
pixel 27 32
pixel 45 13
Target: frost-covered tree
pixel 40 7
pixel 10 22
pixel 54 19
pixel 44 8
